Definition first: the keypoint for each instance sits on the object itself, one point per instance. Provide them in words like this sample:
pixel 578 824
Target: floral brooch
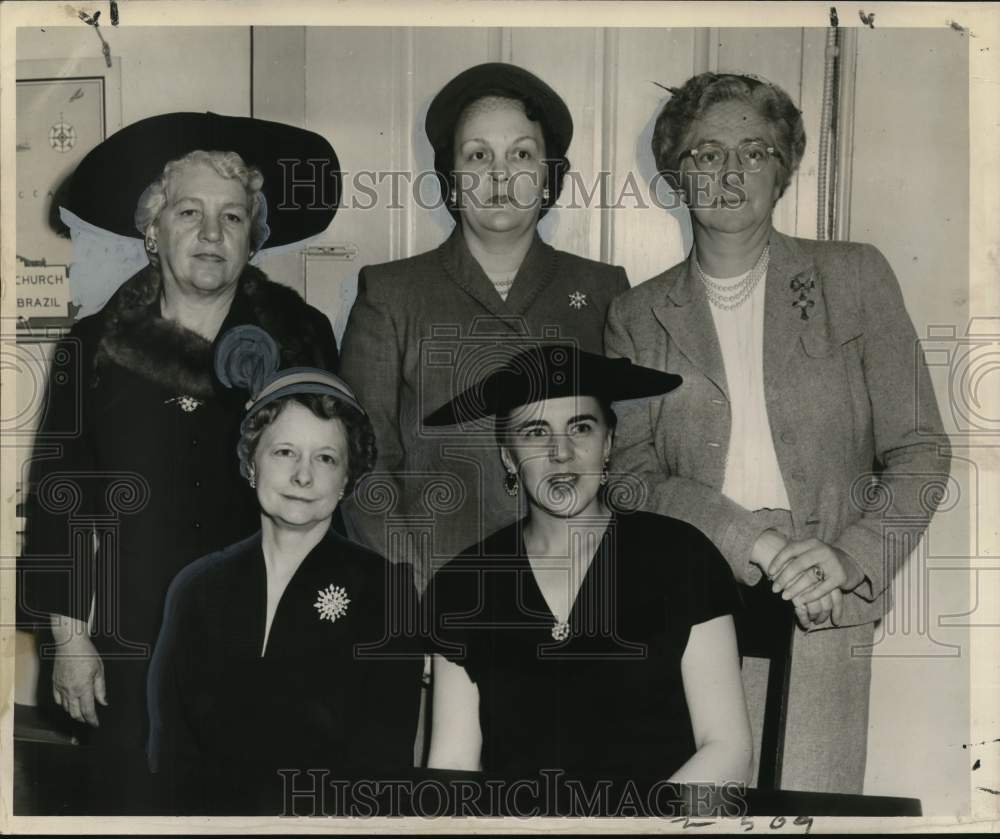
pixel 186 403
pixel 560 632
pixel 332 602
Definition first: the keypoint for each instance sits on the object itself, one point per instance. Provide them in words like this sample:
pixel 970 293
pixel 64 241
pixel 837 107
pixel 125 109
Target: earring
pixel 545 194
pixel 510 485
pixel 252 477
pixel 151 245
pixel 604 474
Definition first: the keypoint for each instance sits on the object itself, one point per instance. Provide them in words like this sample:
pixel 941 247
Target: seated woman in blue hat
pixel 287 650
pixel 581 638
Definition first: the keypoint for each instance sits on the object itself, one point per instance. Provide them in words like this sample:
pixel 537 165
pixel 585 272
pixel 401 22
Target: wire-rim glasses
pixel 753 155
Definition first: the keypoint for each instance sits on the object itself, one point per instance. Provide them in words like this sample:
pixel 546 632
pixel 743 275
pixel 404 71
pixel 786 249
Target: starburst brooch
pixel 332 602
pixel 186 403
pixel 577 300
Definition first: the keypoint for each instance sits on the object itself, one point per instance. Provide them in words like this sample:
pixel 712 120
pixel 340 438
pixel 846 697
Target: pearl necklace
pixel 732 296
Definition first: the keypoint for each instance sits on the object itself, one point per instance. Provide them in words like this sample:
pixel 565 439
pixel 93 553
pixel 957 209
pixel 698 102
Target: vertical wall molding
pixel 706 51
pixel 608 97
pixel 845 134
pixel 495 43
pixel 401 222
pixel 506 45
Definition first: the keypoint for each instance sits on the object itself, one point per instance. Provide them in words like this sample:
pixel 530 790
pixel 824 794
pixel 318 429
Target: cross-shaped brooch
pixel 803 302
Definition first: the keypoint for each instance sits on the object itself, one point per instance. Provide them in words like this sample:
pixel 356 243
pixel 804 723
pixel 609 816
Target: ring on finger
pixel 818 573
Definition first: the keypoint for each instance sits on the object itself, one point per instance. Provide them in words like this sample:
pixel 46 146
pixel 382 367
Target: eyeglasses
pixel 752 155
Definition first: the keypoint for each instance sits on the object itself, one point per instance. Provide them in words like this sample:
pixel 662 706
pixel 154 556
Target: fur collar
pixel 134 336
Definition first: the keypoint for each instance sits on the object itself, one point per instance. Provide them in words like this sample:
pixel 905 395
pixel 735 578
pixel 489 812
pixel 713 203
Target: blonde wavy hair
pixel 227 164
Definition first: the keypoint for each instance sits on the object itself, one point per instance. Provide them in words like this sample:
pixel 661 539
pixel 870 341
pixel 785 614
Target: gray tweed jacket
pixel 421 331
pixel 859 442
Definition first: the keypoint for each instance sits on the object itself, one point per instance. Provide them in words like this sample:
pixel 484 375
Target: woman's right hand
pixel 78 672
pixel 812 614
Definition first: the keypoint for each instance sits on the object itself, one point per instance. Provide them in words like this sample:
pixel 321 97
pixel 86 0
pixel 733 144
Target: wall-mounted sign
pixel 42 290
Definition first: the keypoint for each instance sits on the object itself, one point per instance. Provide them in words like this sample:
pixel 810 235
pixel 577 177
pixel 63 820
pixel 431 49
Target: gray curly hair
pixel 228 164
pixel 700 92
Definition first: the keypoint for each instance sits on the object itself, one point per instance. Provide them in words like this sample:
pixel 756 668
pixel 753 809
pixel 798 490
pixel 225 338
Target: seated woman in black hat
pixel 286 650
pixel 500 137
pixel 152 454
pixel 580 638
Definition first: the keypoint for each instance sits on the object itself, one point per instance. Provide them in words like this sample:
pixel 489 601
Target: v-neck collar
pixel 536 271
pixel 317 570
pixel 530 590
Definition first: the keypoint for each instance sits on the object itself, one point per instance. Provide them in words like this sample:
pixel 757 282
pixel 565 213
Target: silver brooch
pixel 332 602
pixel 560 632
pixel 577 300
pixel 186 403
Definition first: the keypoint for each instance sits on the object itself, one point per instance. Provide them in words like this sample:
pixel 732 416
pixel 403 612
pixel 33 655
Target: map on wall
pixel 59 120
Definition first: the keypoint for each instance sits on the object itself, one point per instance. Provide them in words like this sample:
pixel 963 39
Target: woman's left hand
pixel 816 612
pixel 807 570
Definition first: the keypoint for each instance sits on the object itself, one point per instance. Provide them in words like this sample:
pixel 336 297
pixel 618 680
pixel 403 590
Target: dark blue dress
pixel 608 698
pixel 337 689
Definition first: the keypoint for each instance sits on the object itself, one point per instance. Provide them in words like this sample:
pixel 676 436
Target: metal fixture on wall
pixel 836 136
pixel 826 168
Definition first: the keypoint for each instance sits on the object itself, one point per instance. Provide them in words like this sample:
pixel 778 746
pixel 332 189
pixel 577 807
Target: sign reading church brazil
pixel 42 289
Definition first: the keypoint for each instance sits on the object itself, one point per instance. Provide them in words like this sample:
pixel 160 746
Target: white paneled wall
pixel 368 90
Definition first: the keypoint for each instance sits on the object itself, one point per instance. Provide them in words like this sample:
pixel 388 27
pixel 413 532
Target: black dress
pixel 335 690
pixel 609 698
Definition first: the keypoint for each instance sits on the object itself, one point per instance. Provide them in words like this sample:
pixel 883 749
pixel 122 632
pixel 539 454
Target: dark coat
pixel 339 695
pixel 424 328
pixel 118 451
pixel 859 442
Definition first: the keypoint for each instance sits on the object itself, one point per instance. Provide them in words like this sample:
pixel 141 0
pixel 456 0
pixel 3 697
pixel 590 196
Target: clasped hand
pixel 814 576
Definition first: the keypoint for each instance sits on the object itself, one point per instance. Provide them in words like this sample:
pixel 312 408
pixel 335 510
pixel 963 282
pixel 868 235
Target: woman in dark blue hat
pixel 141 435
pixel 580 638
pixel 288 649
pixel 421 326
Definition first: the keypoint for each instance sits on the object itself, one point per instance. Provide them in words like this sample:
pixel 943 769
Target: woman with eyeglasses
pixel 806 422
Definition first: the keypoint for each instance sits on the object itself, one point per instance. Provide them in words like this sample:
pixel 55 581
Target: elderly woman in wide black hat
pixel 421 327
pixel 150 453
pixel 579 638
pixel 289 649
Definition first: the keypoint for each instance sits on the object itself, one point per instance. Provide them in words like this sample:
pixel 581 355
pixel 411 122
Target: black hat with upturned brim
pixel 549 372
pixel 499 79
pixel 302 192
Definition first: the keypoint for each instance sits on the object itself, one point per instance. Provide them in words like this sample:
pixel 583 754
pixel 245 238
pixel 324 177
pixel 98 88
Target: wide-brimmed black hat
pixel 551 371
pixel 499 79
pixel 302 193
